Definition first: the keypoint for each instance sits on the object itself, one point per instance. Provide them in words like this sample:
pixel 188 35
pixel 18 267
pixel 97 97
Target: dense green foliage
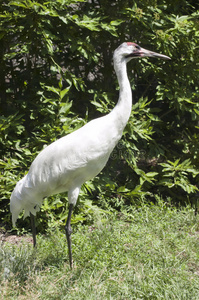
pixel 151 252
pixel 56 74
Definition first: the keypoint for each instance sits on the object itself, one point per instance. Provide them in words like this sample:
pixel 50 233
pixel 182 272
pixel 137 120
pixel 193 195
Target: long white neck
pixel 122 110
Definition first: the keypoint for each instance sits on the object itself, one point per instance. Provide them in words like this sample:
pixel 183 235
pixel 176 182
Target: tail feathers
pixel 16 207
pixel 33 209
pixel 23 198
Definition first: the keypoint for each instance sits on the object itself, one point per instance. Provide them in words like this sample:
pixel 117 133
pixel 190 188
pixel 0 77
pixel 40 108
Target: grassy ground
pixel 148 253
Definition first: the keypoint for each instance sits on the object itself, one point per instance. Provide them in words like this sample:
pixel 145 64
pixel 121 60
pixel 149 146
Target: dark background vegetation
pixel 56 74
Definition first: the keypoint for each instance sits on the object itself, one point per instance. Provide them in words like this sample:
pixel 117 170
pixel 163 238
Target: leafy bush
pixel 56 75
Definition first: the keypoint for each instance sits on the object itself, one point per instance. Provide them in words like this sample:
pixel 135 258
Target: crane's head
pixel 127 51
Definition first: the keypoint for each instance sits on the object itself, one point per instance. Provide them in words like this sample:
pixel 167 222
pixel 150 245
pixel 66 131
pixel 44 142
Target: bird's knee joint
pixel 68 230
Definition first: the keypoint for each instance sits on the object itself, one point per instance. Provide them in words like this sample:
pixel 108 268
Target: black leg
pixel 32 218
pixel 68 230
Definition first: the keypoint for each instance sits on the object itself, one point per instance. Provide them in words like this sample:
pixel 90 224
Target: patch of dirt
pixel 15 239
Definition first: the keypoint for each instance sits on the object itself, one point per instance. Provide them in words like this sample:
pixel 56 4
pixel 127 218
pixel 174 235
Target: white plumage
pixel 64 166
pixel 70 161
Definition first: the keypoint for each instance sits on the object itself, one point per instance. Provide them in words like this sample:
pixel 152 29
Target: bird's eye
pixel 137 47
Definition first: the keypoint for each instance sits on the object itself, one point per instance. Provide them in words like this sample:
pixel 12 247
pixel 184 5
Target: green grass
pixel 151 252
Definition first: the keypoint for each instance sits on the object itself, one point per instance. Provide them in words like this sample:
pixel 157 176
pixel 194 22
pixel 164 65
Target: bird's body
pixel 68 162
pixel 65 165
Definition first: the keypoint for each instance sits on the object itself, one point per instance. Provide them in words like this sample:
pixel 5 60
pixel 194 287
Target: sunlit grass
pixel 148 253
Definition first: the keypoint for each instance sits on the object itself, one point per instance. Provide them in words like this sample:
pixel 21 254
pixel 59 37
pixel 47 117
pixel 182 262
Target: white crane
pixel 68 162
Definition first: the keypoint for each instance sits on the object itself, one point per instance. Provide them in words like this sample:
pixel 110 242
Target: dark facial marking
pixel 135 53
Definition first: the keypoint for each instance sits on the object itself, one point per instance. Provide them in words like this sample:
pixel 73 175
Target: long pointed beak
pixel 144 52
